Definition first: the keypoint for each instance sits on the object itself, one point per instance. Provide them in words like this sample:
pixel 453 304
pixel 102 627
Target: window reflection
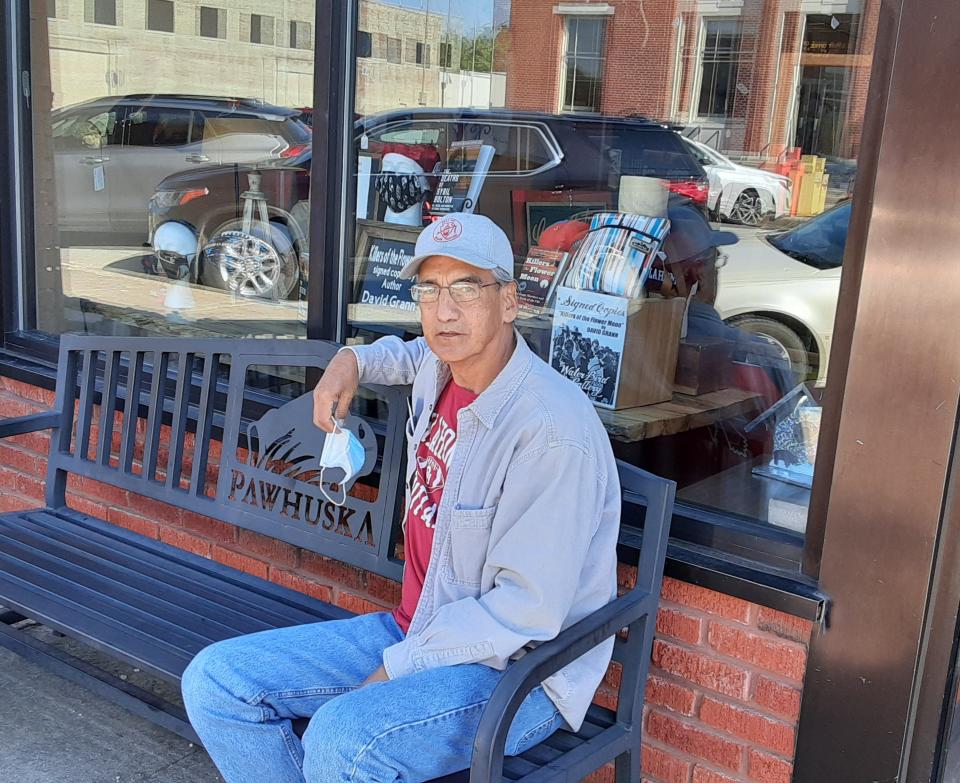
pixel 175 195
pixel 564 122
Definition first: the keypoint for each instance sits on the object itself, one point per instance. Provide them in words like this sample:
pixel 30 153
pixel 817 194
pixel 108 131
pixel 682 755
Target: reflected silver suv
pixel 110 153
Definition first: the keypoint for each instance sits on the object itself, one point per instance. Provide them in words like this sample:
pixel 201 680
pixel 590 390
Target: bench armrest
pixel 525 674
pixel 20 425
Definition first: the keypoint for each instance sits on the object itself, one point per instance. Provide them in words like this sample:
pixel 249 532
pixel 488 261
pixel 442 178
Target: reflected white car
pixel 738 193
pixel 784 285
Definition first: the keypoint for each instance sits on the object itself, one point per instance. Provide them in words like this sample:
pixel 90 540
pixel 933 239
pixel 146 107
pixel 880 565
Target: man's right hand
pixel 334 392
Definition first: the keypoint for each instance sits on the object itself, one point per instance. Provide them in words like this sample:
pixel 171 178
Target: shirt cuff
pixel 357 356
pixel 397 659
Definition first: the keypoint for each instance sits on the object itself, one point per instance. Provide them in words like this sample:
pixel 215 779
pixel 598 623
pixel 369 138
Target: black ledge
pixel 761 583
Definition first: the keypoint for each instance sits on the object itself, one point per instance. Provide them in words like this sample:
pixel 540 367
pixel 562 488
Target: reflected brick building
pixel 751 76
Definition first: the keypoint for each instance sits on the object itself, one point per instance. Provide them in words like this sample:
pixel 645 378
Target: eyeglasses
pixel 461 291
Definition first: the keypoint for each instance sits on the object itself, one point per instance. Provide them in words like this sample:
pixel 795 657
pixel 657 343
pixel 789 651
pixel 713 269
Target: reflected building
pixel 250 48
pixel 748 77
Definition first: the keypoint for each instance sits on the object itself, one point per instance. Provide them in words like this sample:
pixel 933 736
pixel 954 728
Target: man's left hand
pixel 380 675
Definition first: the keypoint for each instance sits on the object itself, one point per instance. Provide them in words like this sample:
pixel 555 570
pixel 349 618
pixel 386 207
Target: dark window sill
pixel 715 557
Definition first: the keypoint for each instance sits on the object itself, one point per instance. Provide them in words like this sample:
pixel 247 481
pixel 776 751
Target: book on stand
pixel 541 272
pixel 461 178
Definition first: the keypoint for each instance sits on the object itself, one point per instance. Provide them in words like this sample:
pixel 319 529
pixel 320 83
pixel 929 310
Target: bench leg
pixel 627 767
pixel 128 696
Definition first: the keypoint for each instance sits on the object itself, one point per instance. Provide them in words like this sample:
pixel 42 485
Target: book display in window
pixel 795 420
pixel 622 352
pixel 609 337
pixel 462 178
pixel 381 297
pixel 538 278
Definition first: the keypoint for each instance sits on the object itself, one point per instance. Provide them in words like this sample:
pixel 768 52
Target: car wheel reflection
pixel 261 262
pixel 789 345
pixel 748 209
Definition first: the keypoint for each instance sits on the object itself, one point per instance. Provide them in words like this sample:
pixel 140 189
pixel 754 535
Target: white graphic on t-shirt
pixel 431 471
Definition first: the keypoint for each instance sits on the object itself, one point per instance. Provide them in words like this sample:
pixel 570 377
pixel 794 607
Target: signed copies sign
pixel 586 344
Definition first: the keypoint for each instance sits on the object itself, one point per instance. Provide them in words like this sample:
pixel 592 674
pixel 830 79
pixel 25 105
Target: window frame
pixel 221 13
pixel 701 62
pixel 173 17
pixel 565 62
pixel 273 30
pixel 730 554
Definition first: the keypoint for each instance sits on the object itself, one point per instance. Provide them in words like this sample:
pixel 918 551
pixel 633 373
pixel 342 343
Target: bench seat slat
pixel 82 599
pixel 269 602
pixel 45 571
pixel 201 593
pixel 159 599
pixel 102 633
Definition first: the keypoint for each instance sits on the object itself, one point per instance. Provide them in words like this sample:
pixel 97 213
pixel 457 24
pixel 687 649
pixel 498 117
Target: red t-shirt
pixel 429 476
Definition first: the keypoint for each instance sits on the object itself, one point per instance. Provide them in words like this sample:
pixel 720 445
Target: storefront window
pixel 692 131
pixel 172 166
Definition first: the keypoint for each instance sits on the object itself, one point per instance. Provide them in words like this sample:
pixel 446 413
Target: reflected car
pixel 542 167
pixel 110 153
pixel 783 286
pixel 738 193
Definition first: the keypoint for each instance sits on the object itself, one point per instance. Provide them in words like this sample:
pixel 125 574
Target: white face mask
pixel 341 449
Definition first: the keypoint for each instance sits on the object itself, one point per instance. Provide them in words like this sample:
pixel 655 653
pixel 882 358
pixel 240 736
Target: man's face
pixel 456 331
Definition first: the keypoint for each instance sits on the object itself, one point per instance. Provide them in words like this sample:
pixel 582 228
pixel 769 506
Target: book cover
pixel 586 343
pixel 538 278
pixel 462 177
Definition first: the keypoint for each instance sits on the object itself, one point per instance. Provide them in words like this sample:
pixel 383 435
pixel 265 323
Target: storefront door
pixel 821 109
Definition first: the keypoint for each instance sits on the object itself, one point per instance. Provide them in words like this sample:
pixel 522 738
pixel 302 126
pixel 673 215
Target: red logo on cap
pixel 447 230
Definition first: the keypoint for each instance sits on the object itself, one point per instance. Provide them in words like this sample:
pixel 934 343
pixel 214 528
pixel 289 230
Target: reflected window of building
pixel 162 206
pixel 160 15
pixel 583 63
pixel 422 54
pixel 364 44
pixel 100 11
pixel 301 35
pixel 446 55
pixel 261 29
pixel 394 47
pixel 213 22
pixel 718 70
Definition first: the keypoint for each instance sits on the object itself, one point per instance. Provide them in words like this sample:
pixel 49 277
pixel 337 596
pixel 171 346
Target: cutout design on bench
pixel 282 473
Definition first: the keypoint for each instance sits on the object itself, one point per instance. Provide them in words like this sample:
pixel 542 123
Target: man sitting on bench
pixel 512 515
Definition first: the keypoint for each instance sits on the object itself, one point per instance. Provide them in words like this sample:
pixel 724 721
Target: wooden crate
pixel 649 361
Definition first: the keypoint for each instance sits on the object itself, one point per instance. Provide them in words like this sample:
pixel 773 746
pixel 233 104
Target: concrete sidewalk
pixel 52 731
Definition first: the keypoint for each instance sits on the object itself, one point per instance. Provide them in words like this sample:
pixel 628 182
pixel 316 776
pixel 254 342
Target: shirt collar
pixel 491 400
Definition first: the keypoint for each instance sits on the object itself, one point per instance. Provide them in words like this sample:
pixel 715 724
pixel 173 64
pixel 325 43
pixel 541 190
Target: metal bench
pixel 189 423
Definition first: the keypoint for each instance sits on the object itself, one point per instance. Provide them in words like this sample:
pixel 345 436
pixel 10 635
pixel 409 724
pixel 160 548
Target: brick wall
pixel 723 697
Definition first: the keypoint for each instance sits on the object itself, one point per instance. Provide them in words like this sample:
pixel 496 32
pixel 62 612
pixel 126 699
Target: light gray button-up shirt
pixel 526 530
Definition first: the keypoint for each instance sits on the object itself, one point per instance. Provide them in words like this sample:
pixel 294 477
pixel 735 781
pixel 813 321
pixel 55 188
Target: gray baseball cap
pixel 691 234
pixel 474 239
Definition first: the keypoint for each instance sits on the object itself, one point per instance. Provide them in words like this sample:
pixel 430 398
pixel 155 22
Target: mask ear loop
pixel 336 428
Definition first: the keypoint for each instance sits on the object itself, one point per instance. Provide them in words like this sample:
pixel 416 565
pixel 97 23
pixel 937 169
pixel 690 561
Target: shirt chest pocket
pixel 469 538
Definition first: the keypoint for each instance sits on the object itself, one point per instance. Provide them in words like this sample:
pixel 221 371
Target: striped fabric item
pixel 616 255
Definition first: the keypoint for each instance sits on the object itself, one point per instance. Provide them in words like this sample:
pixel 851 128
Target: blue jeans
pixel 241 695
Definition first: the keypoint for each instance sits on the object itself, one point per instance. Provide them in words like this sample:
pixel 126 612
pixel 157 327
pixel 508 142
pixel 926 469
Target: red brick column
pixel 640 46
pixel 860 79
pixel 533 63
pixel 723 696
pixel 763 18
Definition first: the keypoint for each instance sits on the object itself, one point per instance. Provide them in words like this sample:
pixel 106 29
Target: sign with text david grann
pixel 586 344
